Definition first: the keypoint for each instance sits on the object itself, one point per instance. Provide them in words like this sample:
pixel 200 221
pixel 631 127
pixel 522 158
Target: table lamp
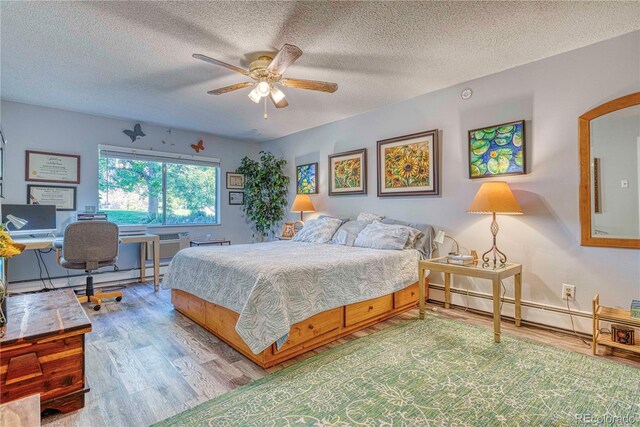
pixel 18 223
pixel 494 198
pixel 302 203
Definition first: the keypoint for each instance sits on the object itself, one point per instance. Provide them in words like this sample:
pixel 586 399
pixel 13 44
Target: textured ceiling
pixel 133 59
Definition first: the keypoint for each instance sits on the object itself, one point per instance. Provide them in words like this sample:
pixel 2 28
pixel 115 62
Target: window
pixel 153 188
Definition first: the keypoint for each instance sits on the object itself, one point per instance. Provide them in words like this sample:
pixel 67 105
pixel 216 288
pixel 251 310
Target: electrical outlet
pixel 568 292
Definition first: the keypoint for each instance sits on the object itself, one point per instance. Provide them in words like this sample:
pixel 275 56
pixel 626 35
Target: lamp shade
pixel 18 223
pixel 495 197
pixel 302 203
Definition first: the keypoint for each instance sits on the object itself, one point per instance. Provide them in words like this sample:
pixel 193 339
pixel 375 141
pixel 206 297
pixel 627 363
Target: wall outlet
pixel 568 292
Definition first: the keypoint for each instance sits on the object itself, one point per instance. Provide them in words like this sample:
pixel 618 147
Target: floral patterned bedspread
pixel 277 284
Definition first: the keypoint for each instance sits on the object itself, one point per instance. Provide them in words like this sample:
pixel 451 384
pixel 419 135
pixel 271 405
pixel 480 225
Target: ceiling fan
pixel 266 73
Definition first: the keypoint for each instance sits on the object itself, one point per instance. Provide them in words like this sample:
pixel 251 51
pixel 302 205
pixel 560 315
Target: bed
pixel 273 301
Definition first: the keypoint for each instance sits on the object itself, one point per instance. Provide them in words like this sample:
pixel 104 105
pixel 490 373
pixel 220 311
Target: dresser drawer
pixel 406 296
pixel 313 327
pixel 361 311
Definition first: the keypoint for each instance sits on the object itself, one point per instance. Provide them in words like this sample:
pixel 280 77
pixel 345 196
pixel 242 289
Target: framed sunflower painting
pixel 497 150
pixel 408 165
pixel 348 173
pixel 307 179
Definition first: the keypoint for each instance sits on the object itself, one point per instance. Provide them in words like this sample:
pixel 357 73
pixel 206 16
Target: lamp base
pixel 498 255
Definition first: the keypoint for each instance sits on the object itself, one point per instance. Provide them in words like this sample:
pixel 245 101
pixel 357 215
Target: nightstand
pixel 495 274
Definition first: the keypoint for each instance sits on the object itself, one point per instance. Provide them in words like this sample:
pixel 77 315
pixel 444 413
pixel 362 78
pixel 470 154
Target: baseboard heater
pixel 170 244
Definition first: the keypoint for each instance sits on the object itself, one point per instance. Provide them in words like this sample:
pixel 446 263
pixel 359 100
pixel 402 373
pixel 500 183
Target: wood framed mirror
pixel 609 147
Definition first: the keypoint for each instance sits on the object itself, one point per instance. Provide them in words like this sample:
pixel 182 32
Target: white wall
pixel 29 127
pixel 550 95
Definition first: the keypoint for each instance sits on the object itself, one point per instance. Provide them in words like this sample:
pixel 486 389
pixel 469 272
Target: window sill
pixel 150 227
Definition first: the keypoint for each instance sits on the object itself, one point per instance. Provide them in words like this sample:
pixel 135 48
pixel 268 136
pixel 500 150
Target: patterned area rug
pixel 435 372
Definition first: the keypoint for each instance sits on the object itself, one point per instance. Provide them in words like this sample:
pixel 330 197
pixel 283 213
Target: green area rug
pixel 435 372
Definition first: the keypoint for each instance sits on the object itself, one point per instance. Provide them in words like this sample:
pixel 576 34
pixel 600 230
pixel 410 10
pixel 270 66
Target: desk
pixel 36 243
pixel 496 275
pixel 143 239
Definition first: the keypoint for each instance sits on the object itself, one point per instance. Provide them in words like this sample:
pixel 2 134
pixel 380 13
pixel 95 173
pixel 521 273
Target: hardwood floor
pixel 146 362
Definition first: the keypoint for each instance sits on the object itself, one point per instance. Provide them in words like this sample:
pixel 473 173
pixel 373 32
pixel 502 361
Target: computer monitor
pixel 40 219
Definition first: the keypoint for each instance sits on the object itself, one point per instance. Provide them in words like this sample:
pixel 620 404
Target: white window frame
pixel 127 153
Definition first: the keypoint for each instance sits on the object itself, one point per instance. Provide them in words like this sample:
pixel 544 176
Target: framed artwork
pixel 63 197
pixel 235 181
pixel 348 173
pixel 307 179
pixel 408 165
pixel 52 167
pixel 497 150
pixel 288 230
pixel 236 198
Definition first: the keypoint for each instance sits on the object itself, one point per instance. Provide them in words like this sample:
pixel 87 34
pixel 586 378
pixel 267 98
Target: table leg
pixel 447 289
pixel 421 291
pixel 518 297
pixel 143 262
pixel 156 264
pixel 496 310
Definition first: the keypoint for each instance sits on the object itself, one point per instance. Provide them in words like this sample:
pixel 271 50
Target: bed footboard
pixel 304 336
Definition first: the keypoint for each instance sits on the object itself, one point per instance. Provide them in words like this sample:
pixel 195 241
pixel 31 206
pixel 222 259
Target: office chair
pixel 88 246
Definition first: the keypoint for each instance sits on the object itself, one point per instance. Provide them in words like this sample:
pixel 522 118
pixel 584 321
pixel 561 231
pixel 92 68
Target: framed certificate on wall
pixel 63 197
pixel 52 167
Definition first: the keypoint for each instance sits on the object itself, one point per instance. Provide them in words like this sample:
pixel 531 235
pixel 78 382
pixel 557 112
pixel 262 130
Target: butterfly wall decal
pixel 134 134
pixel 199 146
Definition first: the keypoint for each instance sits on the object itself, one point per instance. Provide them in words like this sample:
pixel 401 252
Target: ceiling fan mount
pixel 266 73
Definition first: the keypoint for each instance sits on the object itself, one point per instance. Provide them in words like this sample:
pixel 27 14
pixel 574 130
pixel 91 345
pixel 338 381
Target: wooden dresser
pixel 43 350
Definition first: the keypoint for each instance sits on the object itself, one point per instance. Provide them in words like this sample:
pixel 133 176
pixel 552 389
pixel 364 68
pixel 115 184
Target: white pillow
pixel 319 230
pixel 348 232
pixel 382 236
pixel 363 216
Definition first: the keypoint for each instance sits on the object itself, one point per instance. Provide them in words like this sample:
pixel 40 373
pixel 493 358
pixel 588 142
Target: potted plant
pixel 265 191
pixel 8 249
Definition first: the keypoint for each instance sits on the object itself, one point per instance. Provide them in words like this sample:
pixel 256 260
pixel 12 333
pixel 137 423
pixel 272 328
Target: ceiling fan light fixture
pixel 277 94
pixel 263 88
pixel 255 96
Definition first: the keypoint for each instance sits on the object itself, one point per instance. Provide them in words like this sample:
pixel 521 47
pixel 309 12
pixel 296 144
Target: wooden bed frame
pixel 304 336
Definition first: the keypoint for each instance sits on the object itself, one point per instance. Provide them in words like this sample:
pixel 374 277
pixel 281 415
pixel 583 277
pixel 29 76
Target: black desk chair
pixel 88 246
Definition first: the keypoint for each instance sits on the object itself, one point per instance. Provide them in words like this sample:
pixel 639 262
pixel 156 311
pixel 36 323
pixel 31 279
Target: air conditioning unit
pixel 170 244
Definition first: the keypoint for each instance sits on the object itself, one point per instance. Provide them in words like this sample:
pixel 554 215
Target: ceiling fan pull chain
pixel 266 116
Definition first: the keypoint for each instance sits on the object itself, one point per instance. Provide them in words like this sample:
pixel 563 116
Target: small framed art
pixel 236 198
pixel 408 165
pixel 235 181
pixel 348 173
pixel 63 197
pixel 497 150
pixel 307 179
pixel 52 167
pixel 288 230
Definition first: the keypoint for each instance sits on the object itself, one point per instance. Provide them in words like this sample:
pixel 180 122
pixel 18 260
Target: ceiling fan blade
pixel 230 88
pixel 287 56
pixel 310 85
pixel 222 64
pixel 280 104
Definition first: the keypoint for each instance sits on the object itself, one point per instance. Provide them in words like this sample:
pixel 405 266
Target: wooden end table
pixel 209 242
pixel 496 275
pixel 43 350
